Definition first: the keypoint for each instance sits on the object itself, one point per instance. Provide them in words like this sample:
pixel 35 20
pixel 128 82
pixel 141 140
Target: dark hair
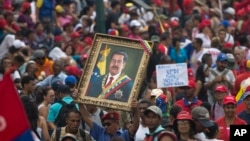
pixel 174 110
pixel 207 105
pixel 44 92
pixel 73 111
pixel 31 112
pixel 205 58
pixel 199 41
pixel 165 36
pixel 200 74
pixel 197 17
pixel 145 101
pixel 120 53
pixel 114 3
pixel 175 40
pixel 211 131
pixel 37 24
pixel 26 79
pixel 19 59
pixel 192 130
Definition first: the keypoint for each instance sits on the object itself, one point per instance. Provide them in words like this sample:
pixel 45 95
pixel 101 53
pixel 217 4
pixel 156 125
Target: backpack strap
pixel 58 133
pixel 213 73
pixel 83 134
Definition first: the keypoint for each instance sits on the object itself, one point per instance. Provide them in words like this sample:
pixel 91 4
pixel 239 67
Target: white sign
pixel 171 75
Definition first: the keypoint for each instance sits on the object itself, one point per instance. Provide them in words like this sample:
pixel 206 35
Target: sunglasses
pixel 182 122
pixel 106 124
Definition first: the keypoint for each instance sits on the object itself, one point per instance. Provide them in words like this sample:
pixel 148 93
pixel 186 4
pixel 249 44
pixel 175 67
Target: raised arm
pixel 85 115
pixel 136 118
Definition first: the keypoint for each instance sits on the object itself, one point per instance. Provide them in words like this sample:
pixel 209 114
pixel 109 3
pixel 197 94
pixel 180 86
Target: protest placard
pixel 171 75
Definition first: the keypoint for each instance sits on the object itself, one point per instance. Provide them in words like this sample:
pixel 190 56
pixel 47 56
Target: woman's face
pixel 50 97
pixel 69 50
pixel 40 28
pixel 183 126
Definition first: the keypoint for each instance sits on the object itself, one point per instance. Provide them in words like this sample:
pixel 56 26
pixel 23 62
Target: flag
pixel 14 125
pixel 101 64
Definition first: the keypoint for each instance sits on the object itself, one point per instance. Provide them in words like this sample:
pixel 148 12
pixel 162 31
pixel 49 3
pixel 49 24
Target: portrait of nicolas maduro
pixel 114 72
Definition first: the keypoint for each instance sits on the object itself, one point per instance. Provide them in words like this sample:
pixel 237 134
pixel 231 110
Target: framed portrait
pixel 114 72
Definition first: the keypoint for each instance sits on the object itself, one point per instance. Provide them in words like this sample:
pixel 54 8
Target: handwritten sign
pixel 172 75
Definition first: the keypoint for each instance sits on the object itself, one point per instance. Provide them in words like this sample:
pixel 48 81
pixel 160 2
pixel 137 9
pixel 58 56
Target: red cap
pixel 84 56
pixel 111 115
pixel 158 2
pixel 174 23
pixel 7 7
pixel 88 40
pixel 220 88
pixel 73 70
pixel 25 6
pixel 229 100
pixel 190 74
pixel 184 115
pixel 228 45
pixel 125 28
pixel 191 83
pixel 58 38
pixel 75 35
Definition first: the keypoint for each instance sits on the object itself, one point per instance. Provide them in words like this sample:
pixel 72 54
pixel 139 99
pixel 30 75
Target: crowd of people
pixel 45 44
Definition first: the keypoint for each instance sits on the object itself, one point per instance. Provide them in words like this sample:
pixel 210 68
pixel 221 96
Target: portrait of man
pixel 115 84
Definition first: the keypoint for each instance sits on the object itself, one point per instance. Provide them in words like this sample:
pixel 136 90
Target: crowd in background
pixel 45 44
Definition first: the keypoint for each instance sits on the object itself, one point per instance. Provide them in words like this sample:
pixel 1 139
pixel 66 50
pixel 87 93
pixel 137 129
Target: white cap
pixel 230 11
pixel 135 23
pixel 174 19
pixel 156 92
pixel 18 44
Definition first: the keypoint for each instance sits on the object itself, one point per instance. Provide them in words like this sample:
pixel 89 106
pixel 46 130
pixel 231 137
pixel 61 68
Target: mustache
pixel 114 67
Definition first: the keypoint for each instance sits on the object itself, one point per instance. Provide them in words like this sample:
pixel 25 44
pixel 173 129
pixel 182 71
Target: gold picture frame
pixel 120 94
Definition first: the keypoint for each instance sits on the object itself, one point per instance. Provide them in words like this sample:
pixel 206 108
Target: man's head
pixel 58 66
pixel 117 62
pixel 69 137
pixel 201 117
pixel 73 121
pixel 110 122
pixel 63 90
pixel 229 106
pixel 197 43
pixel 153 117
pixel 190 88
pixel 71 81
pixel 220 91
pixel 221 62
pixel 28 83
pixel 143 105
pixel 239 54
pixel 222 34
pixel 39 56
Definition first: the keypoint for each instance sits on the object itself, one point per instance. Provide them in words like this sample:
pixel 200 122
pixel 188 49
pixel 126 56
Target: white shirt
pixel 6 44
pixel 214 53
pixel 195 58
pixel 205 39
pixel 200 136
pixel 141 133
pixel 229 38
pixel 114 78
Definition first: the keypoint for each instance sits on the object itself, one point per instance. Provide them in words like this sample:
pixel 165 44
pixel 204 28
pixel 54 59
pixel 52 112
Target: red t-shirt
pixel 187 106
pixel 224 132
pixel 2 23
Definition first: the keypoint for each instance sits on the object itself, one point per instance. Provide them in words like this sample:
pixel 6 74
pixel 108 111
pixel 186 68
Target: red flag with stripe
pixel 13 121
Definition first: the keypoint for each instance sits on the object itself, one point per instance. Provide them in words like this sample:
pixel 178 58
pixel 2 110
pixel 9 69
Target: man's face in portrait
pixel 116 64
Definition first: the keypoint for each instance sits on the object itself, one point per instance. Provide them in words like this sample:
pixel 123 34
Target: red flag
pixel 13 120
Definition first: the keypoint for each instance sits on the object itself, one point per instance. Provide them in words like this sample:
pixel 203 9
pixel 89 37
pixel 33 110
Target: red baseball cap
pixel 25 6
pixel 220 88
pixel 229 100
pixel 111 115
pixel 75 35
pixel 191 83
pixel 184 115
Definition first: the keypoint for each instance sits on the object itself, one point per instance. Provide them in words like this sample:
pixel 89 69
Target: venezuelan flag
pixel 14 125
pixel 101 64
pixel 244 84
